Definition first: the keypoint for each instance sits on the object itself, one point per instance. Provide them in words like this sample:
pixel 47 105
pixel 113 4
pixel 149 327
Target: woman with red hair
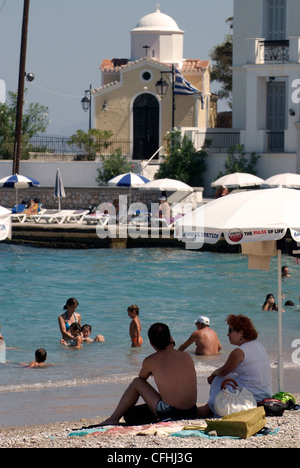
pixel 248 364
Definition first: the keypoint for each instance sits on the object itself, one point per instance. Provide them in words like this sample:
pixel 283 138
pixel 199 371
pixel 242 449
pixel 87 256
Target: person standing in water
pixel 68 317
pixel 135 327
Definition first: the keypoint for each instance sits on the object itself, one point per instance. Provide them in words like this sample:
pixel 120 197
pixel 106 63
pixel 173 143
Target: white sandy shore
pixel 57 436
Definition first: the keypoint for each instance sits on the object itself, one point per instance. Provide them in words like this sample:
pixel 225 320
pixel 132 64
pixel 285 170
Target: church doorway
pixel 145 126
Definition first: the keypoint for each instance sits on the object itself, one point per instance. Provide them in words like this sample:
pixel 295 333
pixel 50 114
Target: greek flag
pixel 182 86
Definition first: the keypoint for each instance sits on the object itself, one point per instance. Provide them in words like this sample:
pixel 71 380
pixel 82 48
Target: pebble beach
pixel 58 436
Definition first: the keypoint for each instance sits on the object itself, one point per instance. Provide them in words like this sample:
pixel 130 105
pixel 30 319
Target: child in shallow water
pixel 86 331
pixel 135 327
pixel 76 340
pixel 40 358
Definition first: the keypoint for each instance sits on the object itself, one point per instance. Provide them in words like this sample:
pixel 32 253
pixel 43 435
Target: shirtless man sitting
pixel 175 377
pixel 206 339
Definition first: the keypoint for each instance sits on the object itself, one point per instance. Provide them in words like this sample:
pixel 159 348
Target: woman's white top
pixel 253 373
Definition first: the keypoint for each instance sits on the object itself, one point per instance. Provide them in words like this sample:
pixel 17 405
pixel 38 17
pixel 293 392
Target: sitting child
pixel 86 330
pixel 76 341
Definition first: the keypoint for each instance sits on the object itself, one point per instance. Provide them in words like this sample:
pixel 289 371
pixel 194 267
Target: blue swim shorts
pixel 165 411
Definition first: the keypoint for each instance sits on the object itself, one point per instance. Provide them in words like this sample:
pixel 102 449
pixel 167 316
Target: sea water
pixel 173 286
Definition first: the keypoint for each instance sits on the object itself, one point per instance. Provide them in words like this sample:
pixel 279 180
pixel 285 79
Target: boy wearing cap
pixel 206 339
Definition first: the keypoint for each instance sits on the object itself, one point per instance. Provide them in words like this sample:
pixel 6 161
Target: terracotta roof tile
pixel 109 64
pixel 189 65
pixel 194 65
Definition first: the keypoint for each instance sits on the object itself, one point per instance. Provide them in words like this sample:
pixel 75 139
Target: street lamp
pixel 21 85
pixel 86 103
pixel 162 89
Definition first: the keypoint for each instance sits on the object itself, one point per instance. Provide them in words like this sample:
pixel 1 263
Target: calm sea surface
pixel 169 285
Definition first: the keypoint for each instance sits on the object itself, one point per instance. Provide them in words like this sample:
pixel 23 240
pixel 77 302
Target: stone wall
pixel 77 197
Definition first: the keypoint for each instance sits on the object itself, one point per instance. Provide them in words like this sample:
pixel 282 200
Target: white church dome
pixel 157 21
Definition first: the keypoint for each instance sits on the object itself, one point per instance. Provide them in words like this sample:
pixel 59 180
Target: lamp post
pixel 162 88
pixel 22 74
pixel 86 103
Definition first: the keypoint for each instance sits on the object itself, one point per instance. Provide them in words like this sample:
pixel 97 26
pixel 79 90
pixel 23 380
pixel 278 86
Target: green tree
pixel 113 165
pixel 91 142
pixel 35 120
pixel 183 162
pixel 221 68
pixel 239 161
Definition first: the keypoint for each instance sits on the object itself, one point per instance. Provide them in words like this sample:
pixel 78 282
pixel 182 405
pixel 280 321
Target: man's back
pixel 175 377
pixel 207 341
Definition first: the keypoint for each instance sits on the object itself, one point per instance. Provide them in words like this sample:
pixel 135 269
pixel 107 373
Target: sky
pixel 68 39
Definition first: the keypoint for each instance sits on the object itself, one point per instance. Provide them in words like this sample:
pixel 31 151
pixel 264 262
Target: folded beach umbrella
pixel 18 181
pixel 128 180
pixel 5 224
pixel 59 191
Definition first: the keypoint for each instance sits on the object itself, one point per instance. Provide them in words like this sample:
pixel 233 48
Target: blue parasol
pixel 17 181
pixel 128 180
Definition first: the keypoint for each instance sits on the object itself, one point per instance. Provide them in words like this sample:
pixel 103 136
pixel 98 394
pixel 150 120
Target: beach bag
pixel 273 407
pixel 243 424
pixel 285 397
pixel 229 402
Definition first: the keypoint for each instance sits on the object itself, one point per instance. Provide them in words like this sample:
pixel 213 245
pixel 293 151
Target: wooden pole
pixel 22 72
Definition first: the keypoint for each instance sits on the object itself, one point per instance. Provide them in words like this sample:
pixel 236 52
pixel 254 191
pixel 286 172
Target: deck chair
pixel 50 216
pixel 96 218
pixel 74 216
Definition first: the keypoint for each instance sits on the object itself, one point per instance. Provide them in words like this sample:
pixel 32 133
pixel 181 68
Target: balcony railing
pixel 275 142
pixel 275 51
pixel 62 145
pixel 218 140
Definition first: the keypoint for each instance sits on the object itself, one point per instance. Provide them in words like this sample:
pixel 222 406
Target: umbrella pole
pixel 280 356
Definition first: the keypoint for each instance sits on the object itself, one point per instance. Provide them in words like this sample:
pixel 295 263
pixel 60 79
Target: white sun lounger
pixel 161 222
pixel 74 216
pixel 20 217
pixel 50 217
pixel 97 218
pixel 60 217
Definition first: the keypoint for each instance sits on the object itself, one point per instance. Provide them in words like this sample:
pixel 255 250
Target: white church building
pixel 129 102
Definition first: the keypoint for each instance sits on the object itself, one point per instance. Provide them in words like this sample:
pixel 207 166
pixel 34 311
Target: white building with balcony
pixel 266 74
pixel 2 92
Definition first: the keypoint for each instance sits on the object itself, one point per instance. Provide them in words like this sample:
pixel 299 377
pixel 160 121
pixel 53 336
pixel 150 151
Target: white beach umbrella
pixel 287 179
pixel 244 217
pixel 237 179
pixel 168 185
pixel 5 224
